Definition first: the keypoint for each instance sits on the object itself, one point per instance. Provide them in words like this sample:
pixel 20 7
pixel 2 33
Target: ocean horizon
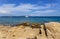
pixel 12 20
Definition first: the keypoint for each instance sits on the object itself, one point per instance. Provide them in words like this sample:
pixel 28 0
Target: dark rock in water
pixel 35 25
pixel 25 24
pixel 18 25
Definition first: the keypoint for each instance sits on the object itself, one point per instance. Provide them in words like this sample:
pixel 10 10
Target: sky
pixel 29 7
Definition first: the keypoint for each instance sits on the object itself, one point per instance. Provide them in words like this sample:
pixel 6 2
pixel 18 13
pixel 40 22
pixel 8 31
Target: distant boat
pixel 26 16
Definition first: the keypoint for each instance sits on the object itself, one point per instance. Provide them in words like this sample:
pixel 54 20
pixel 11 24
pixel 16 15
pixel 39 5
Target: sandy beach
pixel 49 30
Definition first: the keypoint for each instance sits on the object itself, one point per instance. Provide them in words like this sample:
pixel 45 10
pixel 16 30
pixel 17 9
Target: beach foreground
pixel 49 30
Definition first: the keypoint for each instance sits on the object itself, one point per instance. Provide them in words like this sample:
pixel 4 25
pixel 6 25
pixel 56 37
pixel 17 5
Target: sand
pixel 26 32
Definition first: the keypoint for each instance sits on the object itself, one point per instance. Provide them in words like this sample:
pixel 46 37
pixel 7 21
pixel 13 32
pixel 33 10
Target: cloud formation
pixel 29 9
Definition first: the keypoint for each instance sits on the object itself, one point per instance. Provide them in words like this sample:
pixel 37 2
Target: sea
pixel 13 20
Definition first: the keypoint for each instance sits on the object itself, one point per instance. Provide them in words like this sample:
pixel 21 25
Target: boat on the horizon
pixel 26 16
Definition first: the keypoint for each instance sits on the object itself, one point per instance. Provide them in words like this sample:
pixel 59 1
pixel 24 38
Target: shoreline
pixel 49 30
pixel 27 22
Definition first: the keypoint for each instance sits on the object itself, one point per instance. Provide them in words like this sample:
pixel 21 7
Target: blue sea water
pixel 8 20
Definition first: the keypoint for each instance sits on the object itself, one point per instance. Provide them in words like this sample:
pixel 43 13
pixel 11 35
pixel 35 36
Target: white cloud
pixel 25 8
pixel 45 11
pixel 39 13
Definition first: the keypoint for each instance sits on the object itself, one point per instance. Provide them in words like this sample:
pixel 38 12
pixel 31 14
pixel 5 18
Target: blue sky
pixel 30 7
